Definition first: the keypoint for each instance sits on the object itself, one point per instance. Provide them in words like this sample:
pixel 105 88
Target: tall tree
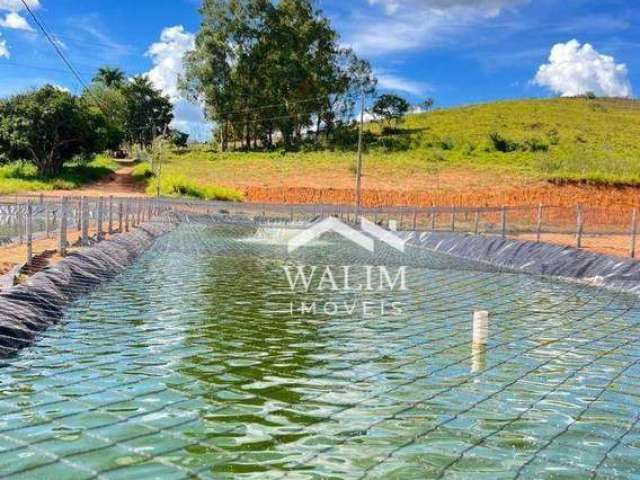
pixel 48 126
pixel 148 112
pixel 109 76
pixel 262 67
pixel 391 108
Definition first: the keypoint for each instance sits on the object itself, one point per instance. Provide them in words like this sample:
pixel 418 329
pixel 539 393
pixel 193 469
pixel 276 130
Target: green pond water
pixel 198 363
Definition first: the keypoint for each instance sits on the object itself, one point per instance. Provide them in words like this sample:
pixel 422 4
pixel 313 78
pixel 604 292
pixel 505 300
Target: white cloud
pixel 17 5
pixel 4 51
pixel 389 81
pixel 15 21
pixel 414 24
pixel 576 69
pixel 490 8
pixel 167 56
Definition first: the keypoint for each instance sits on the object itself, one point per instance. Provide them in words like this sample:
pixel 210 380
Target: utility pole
pixel 160 155
pixel 359 167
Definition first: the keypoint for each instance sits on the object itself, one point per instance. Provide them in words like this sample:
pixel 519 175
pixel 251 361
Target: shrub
pixel 553 136
pixel 534 144
pixel 502 144
pixel 142 172
pixel 49 126
pixel 447 143
pixel 468 148
pixel 179 186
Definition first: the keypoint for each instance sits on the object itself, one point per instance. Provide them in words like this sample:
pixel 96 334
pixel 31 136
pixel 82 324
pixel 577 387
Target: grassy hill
pixel 595 141
pixel 499 144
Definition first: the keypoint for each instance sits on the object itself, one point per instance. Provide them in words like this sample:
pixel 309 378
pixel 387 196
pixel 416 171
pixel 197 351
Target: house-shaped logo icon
pixel 334 225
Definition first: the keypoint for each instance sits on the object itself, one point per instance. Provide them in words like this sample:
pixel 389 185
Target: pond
pixel 202 361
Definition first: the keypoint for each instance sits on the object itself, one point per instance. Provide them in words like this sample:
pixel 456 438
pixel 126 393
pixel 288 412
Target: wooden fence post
pixel 503 215
pixel 539 223
pixel 29 232
pixel 634 233
pixel 453 219
pixel 579 226
pixel 62 235
pixel 433 219
pixel 415 220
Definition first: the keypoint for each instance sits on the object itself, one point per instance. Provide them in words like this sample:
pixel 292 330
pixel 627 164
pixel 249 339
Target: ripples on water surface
pixel 179 369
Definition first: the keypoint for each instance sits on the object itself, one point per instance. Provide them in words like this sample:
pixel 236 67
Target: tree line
pixel 49 125
pixel 267 73
pixel 270 72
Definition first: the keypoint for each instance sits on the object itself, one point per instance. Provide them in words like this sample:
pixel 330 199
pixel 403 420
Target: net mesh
pixel 199 362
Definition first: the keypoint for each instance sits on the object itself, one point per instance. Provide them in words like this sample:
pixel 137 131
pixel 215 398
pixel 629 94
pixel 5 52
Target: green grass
pixel 559 140
pixel 22 176
pixel 179 186
pixel 577 140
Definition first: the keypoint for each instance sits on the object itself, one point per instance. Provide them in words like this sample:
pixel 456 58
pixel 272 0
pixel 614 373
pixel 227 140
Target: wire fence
pixel 25 220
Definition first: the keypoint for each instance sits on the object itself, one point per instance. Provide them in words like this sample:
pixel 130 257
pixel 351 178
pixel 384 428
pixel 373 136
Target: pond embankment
pixel 31 307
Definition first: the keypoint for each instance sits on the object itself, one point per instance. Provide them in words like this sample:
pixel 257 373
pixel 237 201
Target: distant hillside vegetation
pixel 573 140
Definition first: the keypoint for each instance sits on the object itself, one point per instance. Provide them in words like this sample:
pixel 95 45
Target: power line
pixel 264 107
pixel 55 45
pixel 61 54
pixel 35 67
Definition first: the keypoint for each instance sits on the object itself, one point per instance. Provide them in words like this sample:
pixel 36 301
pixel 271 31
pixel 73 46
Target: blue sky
pixel 456 51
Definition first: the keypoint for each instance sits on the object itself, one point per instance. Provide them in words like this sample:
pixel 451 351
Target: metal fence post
pixel 503 215
pixel 84 215
pixel 110 215
pixel 476 225
pixel 100 218
pixel 433 219
pixel 79 219
pixel 29 232
pixel 47 224
pixel 126 216
pixel 634 232
pixel 579 226
pixel 415 220
pixel 120 215
pixel 19 225
pixel 453 219
pixel 62 236
pixel 539 223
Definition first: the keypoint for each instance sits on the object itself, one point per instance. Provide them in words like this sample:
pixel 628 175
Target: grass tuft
pixel 181 186
pixel 22 176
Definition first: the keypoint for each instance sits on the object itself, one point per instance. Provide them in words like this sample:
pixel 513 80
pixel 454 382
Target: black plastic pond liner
pixel 30 308
pixel 536 259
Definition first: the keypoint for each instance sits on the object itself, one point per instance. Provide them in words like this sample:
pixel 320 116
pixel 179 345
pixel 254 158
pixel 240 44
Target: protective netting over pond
pixel 200 361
